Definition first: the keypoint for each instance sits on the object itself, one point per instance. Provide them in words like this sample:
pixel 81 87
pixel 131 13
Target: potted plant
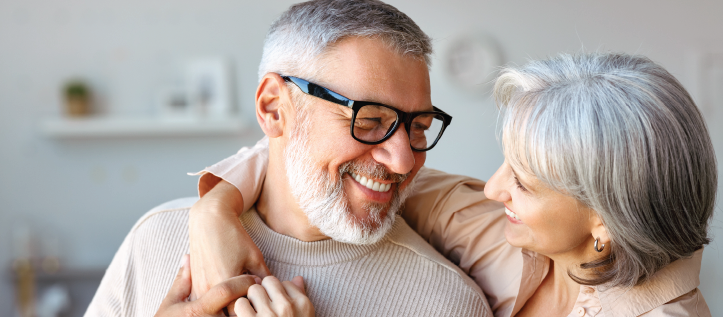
pixel 77 98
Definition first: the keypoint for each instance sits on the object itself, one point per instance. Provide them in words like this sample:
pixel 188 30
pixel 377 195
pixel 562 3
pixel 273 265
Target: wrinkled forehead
pixel 367 69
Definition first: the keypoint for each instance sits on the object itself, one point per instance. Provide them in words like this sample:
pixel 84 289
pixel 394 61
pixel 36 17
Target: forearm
pixel 220 247
pixel 222 199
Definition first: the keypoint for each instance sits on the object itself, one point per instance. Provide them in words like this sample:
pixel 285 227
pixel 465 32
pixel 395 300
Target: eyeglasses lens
pixel 373 123
pixel 425 130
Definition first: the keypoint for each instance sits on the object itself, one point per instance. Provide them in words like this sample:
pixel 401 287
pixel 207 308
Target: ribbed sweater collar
pixel 281 248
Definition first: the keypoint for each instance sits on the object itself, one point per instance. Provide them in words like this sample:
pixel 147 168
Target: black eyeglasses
pixel 374 123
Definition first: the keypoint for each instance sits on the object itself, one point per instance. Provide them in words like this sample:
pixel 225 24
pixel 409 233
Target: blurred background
pixel 106 105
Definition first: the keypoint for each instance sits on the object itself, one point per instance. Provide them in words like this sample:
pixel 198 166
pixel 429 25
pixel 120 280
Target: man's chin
pixel 370 215
pixel 365 230
pixel 365 235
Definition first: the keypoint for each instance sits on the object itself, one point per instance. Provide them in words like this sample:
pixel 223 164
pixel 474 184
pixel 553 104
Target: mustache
pixel 373 169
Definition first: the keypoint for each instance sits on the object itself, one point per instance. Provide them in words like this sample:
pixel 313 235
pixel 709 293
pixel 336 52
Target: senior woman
pixel 606 192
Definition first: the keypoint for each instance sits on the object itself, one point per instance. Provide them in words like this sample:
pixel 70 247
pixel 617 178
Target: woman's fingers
pixel 224 293
pixel 298 281
pixel 297 293
pixel 260 300
pixel 243 308
pixel 275 290
pixel 181 287
pixel 274 298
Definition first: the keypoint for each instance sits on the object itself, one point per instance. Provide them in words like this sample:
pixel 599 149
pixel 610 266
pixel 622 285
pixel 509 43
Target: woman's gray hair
pixel 621 135
pixel 298 39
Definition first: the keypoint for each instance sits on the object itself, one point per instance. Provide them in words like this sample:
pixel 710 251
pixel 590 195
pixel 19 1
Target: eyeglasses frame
pixel 405 117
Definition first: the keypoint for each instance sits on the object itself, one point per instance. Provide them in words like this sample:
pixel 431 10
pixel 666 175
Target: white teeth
pixel 371 184
pixel 512 214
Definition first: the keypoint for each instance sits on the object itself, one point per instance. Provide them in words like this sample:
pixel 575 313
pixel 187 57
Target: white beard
pixel 324 200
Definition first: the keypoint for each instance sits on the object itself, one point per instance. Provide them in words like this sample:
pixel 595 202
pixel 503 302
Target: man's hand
pixel 275 298
pixel 220 246
pixel 210 304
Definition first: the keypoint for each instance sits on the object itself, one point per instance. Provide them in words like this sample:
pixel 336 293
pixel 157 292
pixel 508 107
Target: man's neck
pixel 278 208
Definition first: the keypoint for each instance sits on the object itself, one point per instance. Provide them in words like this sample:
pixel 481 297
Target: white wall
pixel 89 193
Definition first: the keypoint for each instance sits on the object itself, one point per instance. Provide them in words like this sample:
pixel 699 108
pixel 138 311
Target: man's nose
pixel 395 153
pixel 495 187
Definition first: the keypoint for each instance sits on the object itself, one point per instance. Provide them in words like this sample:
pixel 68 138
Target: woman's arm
pixel 220 248
pixel 219 245
pixel 450 211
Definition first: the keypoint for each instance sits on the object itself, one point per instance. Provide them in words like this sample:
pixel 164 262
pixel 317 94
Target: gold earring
pixel 600 249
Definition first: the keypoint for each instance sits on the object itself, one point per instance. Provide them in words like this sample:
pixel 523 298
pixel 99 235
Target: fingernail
pixel 257 280
pixel 185 261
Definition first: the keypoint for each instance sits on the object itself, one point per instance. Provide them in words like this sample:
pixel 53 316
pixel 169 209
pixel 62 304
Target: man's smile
pixel 375 190
pixel 370 183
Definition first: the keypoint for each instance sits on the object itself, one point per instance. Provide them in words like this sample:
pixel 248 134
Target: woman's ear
pixel 598 230
pixel 272 98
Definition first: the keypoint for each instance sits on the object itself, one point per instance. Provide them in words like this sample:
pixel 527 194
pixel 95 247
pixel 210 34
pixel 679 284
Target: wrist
pixel 223 199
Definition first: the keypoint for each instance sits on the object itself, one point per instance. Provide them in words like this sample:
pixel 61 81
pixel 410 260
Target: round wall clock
pixel 472 61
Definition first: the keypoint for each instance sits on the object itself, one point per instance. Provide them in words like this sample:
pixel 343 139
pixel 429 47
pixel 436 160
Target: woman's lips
pixel 512 216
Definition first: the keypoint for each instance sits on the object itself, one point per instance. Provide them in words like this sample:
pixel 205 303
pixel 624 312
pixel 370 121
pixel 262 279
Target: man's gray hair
pixel 621 135
pixel 298 39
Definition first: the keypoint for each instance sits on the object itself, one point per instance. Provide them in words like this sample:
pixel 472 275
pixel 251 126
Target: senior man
pixel 344 99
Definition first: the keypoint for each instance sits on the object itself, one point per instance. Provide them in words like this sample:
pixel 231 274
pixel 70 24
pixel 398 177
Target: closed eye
pixel 519 185
pixel 419 126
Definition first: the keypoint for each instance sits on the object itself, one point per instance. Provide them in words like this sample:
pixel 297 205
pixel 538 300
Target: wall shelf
pixel 131 127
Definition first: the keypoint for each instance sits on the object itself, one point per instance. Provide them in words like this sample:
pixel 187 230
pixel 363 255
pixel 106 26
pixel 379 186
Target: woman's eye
pixel 519 185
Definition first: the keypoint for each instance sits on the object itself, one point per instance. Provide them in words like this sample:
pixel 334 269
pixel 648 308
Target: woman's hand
pixel 211 303
pixel 275 298
pixel 220 246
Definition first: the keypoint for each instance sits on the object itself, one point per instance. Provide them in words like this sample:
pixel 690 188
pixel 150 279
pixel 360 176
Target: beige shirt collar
pixel 673 281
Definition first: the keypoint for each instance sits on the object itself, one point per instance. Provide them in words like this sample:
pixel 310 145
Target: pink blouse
pixel 452 213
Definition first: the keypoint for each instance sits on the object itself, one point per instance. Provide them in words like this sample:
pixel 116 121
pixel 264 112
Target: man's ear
pixel 272 100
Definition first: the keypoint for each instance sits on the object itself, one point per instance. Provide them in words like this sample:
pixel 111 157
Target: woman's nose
pixel 495 188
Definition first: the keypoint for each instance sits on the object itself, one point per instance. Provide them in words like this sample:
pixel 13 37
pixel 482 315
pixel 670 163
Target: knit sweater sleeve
pixel 143 268
pixel 108 300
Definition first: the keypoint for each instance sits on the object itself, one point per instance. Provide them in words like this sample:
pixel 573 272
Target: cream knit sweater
pixel 401 275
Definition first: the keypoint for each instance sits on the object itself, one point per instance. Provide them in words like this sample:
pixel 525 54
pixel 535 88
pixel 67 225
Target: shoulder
pixel 406 238
pixel 690 304
pixel 144 266
pixel 160 235
pixel 671 291
pixel 436 179
pixel 452 287
pixel 437 196
pixel 166 213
